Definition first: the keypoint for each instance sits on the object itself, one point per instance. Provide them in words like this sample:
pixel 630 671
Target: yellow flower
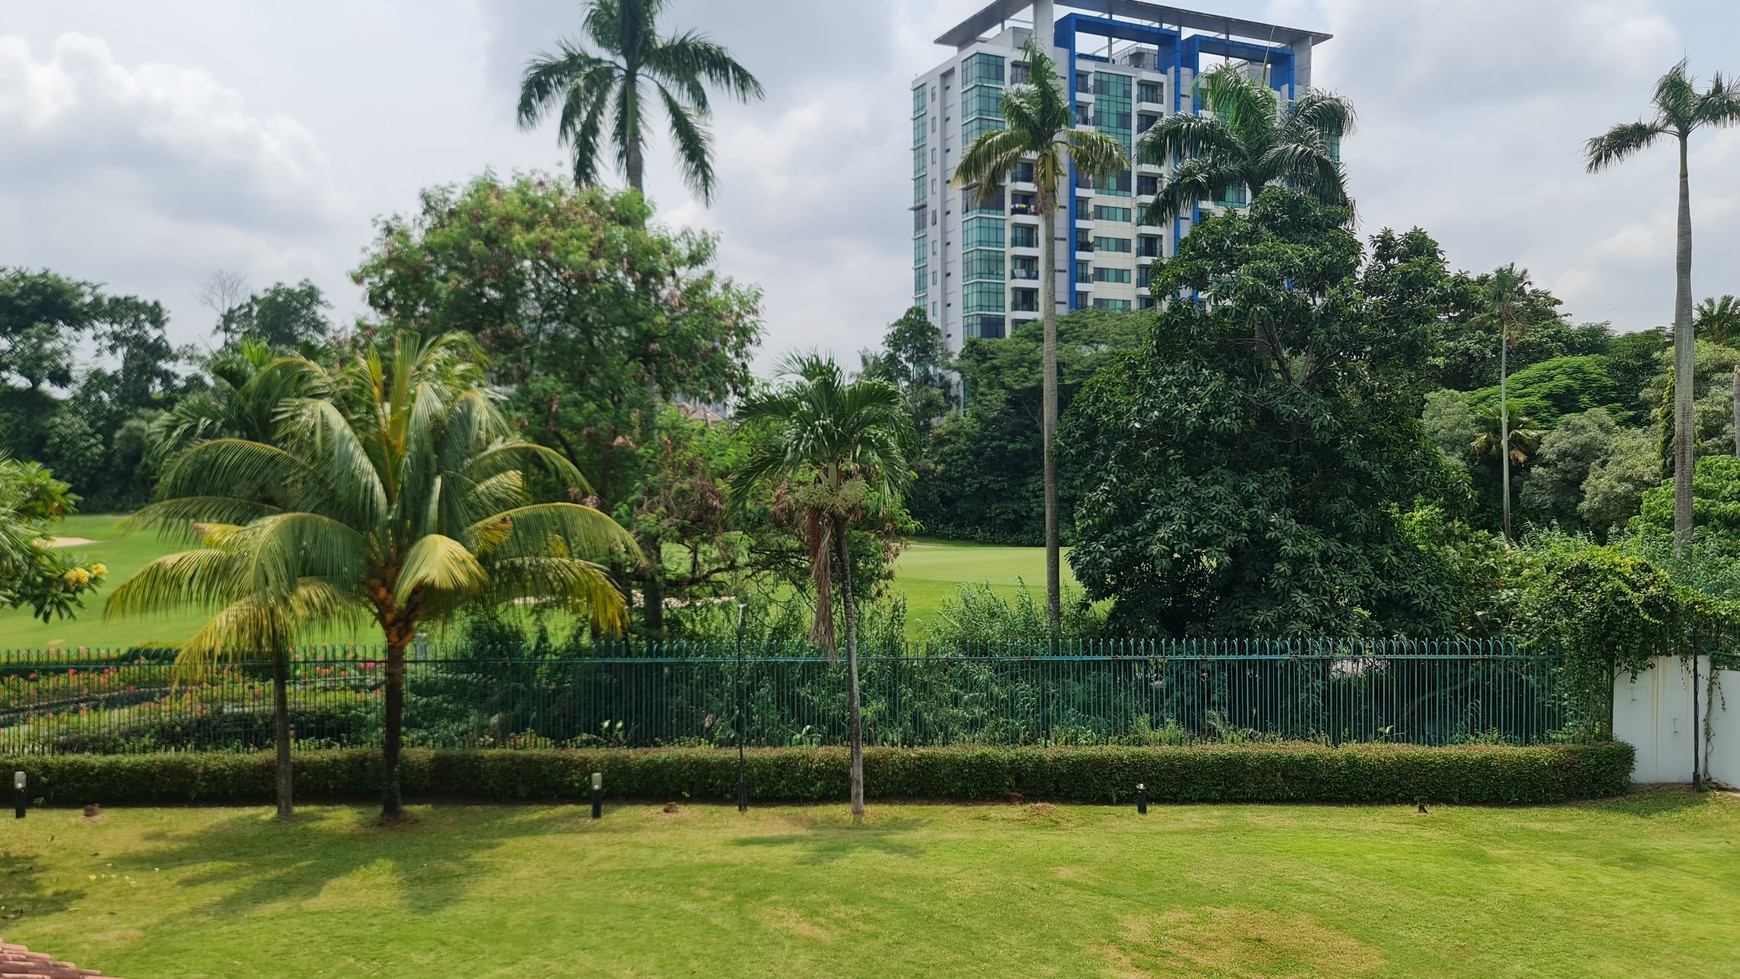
pixel 77 577
pixel 100 570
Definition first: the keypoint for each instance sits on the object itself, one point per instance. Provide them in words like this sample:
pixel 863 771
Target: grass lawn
pixel 928 572
pixel 1641 886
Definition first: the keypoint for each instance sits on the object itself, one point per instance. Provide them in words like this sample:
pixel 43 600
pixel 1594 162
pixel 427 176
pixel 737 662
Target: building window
pixel 1018 73
pixel 1147 185
pixel 1024 301
pixel 918 219
pixel 982 69
pixel 1104 213
pixel 1111 245
pixel 918 249
pixel 1083 271
pixel 974 128
pixel 982 232
pixel 1145 302
pixel 1023 268
pixel 1118 304
pixel 983 297
pixel 1023 236
pixel 983 264
pixel 1116 185
pixel 1148 91
pixel 983 328
pixel 1148 246
pixel 973 203
pixel 919 280
pixel 1103 274
pixel 1023 173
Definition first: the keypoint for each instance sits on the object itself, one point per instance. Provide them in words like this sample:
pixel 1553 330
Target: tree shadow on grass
pixel 1658 800
pixel 24 893
pixel 823 841
pixel 260 861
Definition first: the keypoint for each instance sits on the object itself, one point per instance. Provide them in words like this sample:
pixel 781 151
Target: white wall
pixel 1653 712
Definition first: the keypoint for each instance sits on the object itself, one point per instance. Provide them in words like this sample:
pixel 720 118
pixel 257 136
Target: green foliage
pixel 1567 456
pixel 1202 773
pixel 1450 425
pixel 1715 507
pixel 1238 487
pixel 1613 490
pixel 47 580
pixel 1554 388
pixel 283 316
pixel 592 93
pixel 981 477
pixel 915 358
pixel 979 615
pixel 1605 612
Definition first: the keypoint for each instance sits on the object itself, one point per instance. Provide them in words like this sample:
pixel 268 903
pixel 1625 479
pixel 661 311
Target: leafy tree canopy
pixel 1554 388
pixel 916 359
pixel 1242 472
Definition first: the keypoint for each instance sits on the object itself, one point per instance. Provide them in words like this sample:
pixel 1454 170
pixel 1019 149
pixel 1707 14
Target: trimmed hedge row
pixel 1208 773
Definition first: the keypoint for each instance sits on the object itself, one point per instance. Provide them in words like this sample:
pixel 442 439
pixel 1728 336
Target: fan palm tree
pixel 1523 435
pixel 846 444
pixel 1680 110
pixel 637 64
pixel 1041 130
pixel 1247 140
pixel 1511 306
pixel 394 490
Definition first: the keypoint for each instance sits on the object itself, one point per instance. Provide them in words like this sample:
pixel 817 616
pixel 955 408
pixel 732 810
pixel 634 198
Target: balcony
pixel 1021 274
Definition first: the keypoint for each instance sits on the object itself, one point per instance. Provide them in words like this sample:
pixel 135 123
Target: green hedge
pixel 1209 773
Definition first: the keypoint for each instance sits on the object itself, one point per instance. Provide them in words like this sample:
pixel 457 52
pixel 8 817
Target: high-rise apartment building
pixel 1127 64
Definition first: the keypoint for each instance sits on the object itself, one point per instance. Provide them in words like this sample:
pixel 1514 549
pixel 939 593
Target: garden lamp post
pixel 17 795
pixel 742 774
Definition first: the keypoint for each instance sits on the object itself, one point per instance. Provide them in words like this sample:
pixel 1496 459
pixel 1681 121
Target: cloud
pixel 149 176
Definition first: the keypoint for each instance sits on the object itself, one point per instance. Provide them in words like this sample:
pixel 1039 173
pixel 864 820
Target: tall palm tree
pixel 1041 130
pixel 1509 310
pixel 846 443
pixel 398 493
pixel 1247 140
pixel 1680 110
pixel 637 63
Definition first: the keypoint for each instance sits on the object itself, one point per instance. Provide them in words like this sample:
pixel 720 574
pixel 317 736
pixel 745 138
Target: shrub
pixel 1215 773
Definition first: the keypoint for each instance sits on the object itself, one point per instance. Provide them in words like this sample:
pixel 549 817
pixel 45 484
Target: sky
pixel 146 145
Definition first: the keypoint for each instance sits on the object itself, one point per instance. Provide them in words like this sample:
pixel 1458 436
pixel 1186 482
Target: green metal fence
pixel 1159 692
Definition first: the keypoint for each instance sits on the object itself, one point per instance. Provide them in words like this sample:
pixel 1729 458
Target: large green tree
pixel 615 89
pixel 395 490
pixel 915 358
pixel 1248 139
pixel 844 445
pixel 1680 110
pixel 593 318
pixel 33 572
pixel 1242 473
pixel 1039 130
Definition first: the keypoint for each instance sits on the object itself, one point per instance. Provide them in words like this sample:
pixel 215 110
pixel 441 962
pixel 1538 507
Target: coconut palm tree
pixel 1717 320
pixel 845 445
pixel 1511 306
pixel 1680 110
pixel 1247 140
pixel 1041 130
pixel 397 491
pixel 637 64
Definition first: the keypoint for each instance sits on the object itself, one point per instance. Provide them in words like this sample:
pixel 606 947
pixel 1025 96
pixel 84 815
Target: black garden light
pixel 1142 797
pixel 597 794
pixel 18 795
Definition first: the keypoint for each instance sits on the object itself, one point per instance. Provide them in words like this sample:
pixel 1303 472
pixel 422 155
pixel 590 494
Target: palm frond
pixel 1096 155
pixel 1620 144
pixel 693 141
pixel 440 565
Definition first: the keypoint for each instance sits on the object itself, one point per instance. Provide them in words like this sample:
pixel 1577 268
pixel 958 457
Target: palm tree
pixel 847 444
pixel 582 87
pixel 394 490
pixel 1505 425
pixel 1248 139
pixel 1680 110
pixel 1510 307
pixel 1041 130
pixel 1717 320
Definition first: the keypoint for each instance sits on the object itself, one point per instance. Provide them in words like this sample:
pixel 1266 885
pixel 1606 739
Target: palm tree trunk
pixel 1053 550
pixel 631 155
pixel 1683 365
pixel 854 712
pixel 1737 409
pixel 392 804
pixel 1504 420
pixel 281 737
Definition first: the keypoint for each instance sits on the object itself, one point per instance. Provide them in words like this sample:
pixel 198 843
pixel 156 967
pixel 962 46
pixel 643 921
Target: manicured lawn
pixel 928 573
pixel 1642 886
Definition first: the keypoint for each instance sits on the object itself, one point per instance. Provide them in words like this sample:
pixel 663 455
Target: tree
pixel 1613 491
pixel 1041 131
pixel 33 572
pixel 1247 140
pixel 282 316
pixel 1680 110
pixel 1449 423
pixel 223 292
pixel 846 443
pixel 1553 389
pixel 40 315
pixel 1718 320
pixel 592 318
pixel 1232 487
pixel 982 474
pixel 1509 311
pixel 915 358
pixel 394 490
pixel 582 87
pixel 1567 455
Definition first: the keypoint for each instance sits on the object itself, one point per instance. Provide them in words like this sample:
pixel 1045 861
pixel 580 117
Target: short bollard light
pixel 597 794
pixel 1141 797
pixel 17 795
